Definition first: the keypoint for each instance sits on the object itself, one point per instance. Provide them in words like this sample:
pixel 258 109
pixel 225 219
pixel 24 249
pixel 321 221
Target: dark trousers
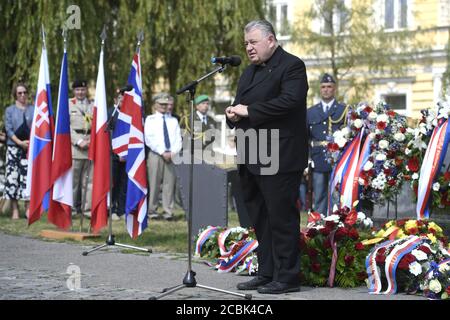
pixel 119 191
pixel 271 204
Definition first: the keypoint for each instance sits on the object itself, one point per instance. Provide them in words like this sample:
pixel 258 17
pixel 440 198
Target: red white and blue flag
pixel 60 209
pixel 431 166
pixel 128 143
pixel 99 153
pixel 40 148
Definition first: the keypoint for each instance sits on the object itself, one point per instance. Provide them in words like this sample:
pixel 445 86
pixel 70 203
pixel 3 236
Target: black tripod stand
pixel 110 241
pixel 189 280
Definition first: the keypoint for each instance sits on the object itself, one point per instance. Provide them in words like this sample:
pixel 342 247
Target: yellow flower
pixel 431 237
pixel 434 226
pixel 380 234
pixel 389 224
pixel 400 234
pixel 411 224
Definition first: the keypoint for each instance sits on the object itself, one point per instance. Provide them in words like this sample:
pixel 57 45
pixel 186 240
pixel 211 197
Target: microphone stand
pixel 189 280
pixel 110 241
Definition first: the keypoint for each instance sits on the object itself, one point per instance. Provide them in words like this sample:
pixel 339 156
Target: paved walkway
pixel 37 269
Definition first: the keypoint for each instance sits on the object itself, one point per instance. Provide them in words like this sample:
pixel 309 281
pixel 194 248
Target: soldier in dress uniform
pixel 80 125
pixel 202 105
pixel 323 119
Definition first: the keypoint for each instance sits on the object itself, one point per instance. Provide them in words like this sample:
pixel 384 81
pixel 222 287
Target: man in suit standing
pixel 271 97
pixel 323 119
pixel 203 122
pixel 80 132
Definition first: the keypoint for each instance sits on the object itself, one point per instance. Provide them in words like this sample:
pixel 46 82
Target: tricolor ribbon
pixel 393 259
pixel 372 269
pixel 226 265
pixel 350 173
pixel 431 164
pixel 338 170
pixel 202 238
pixel 363 158
pixel 224 252
pixel 333 260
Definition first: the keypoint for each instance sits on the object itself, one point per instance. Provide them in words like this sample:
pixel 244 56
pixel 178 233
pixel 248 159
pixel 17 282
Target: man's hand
pixel 231 115
pixel 24 144
pixel 167 156
pixel 240 110
pixel 84 144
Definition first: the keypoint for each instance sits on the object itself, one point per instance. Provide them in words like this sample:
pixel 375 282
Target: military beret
pixel 162 98
pixel 79 84
pixel 326 78
pixel 201 99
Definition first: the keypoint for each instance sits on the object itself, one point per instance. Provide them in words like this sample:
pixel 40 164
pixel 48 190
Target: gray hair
pixel 263 25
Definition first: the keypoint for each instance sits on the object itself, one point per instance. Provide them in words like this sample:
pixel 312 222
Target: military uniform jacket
pixel 80 129
pixel 318 125
pixel 207 136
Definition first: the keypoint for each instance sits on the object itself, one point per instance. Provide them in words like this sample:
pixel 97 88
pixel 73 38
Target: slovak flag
pixel 99 153
pixel 60 209
pixel 40 149
pixel 128 143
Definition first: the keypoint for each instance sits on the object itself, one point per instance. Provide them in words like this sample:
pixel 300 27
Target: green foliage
pixel 180 36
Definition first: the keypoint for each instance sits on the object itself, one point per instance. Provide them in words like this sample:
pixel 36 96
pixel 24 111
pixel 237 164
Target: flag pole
pixel 110 241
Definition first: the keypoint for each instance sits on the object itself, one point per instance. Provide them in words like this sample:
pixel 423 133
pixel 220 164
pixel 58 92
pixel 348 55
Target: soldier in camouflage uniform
pixel 80 125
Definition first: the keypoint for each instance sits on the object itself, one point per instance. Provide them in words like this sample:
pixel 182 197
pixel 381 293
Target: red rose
pixel 312 253
pixel 403 265
pixel 353 233
pixel 413 164
pixel 326 231
pixel 447 176
pixel 425 249
pixel 409 258
pixel 380 258
pixel 349 259
pixel 391 113
pixel 341 233
pixel 311 233
pixel 402 130
pixel 391 182
pixel 407 177
pixel 401 222
pixel 330 225
pixel 387 172
pixel 354 116
pixel 371 172
pixel 333 147
pixel 359 246
pixel 381 125
pixel 432 231
pixel 448 290
pixel 315 267
pixel 368 109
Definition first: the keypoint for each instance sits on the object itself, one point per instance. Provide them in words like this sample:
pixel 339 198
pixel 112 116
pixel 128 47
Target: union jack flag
pixel 128 143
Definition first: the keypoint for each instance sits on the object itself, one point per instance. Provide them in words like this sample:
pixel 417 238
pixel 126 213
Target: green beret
pixel 201 98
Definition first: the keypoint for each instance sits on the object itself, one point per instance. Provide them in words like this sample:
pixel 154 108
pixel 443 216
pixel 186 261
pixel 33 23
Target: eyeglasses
pixel 22 93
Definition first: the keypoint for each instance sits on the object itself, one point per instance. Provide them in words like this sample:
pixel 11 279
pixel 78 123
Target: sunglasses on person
pixel 22 93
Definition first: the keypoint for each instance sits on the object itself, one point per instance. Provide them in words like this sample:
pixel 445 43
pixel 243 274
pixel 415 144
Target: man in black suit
pixel 271 97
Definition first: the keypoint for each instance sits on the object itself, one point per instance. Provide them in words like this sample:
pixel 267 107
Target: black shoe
pixel 253 284
pixel 276 287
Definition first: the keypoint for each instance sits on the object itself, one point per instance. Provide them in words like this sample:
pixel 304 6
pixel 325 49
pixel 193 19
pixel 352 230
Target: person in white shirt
pixel 163 137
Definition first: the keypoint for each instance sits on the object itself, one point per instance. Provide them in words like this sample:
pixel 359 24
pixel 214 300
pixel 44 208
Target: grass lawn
pixel 161 236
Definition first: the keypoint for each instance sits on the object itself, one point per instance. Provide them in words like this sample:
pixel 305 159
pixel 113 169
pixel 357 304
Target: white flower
pixel 368 223
pixel 338 134
pixel 346 131
pixel 361 181
pixel 382 118
pixel 435 286
pixel 333 217
pixel 415 268
pixel 419 254
pixel 372 135
pixel 436 186
pixel 340 142
pixel 444 267
pixel 407 151
pixel 415 176
pixel 368 166
pixel 372 116
pixel 358 123
pixel 383 144
pixel 400 137
pixel 361 216
pixel 380 157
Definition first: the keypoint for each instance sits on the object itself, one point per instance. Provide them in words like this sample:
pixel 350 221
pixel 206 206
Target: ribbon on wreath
pixel 435 267
pixel 431 165
pixel 226 265
pixel 339 169
pixel 363 158
pixel 393 259
pixel 202 238
pixel 221 241
pixel 334 258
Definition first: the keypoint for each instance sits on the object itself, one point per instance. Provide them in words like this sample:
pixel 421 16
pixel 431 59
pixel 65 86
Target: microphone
pixel 233 61
pixel 128 87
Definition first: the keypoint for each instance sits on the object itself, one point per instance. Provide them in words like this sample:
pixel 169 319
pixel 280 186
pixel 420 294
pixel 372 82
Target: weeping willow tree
pixel 180 36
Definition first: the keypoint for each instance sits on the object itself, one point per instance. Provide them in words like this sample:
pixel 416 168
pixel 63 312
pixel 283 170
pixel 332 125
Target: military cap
pixel 201 99
pixel 79 84
pixel 326 78
pixel 162 98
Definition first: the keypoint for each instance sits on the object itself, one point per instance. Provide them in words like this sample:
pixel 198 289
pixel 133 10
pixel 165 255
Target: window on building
pixel 396 14
pixel 395 101
pixel 278 15
pixel 334 21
